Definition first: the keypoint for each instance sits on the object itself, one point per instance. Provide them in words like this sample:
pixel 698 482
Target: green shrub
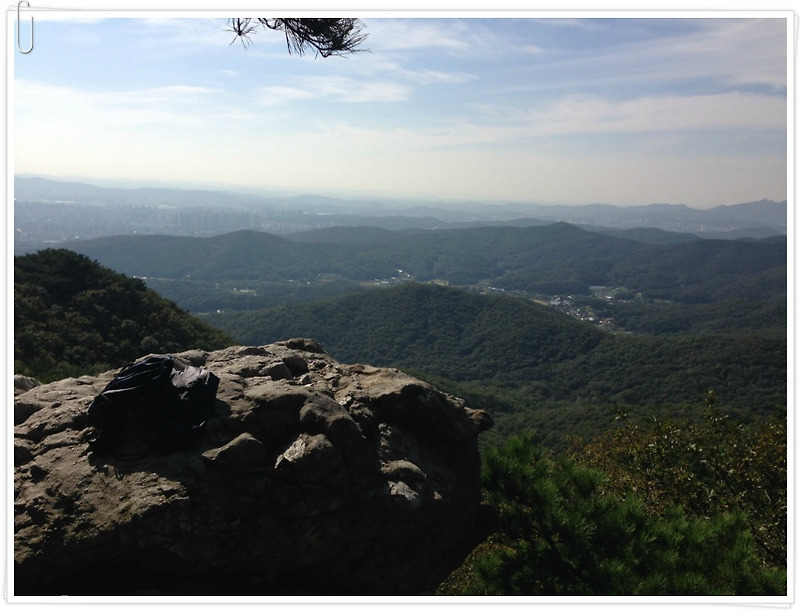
pixel 563 532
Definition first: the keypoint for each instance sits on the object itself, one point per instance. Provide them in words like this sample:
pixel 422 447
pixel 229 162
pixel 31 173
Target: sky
pixel 567 109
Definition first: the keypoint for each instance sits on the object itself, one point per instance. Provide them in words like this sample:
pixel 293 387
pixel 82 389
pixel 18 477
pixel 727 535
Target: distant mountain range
pixel 548 318
pixel 37 189
pixel 533 366
pixel 750 219
pixel 539 260
pixel 48 212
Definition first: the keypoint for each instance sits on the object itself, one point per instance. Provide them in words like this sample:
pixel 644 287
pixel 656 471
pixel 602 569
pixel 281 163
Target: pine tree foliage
pixel 326 36
pixel 563 531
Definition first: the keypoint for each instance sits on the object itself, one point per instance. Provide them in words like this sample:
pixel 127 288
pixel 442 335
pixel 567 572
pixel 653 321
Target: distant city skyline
pixel 563 110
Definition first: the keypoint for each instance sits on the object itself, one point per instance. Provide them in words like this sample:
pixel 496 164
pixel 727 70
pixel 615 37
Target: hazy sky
pixel 551 110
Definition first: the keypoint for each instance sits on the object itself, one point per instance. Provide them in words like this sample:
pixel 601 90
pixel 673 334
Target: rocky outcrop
pixel 313 477
pixel 23 384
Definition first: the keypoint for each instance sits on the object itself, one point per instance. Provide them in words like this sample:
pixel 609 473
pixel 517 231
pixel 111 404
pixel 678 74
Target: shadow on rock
pixel 308 477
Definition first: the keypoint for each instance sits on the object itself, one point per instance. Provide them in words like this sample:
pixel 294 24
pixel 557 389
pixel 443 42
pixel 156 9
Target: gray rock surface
pixel 314 477
pixel 23 384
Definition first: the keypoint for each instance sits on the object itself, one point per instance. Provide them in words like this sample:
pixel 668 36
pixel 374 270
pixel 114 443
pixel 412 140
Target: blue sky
pixel 466 107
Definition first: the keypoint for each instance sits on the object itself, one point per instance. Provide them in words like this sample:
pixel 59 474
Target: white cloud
pixel 745 51
pixel 185 35
pixel 170 94
pixel 426 77
pixel 336 88
pixel 729 111
pixel 45 104
pixel 729 52
pixel 274 95
pixel 734 112
pixel 451 37
pixel 407 34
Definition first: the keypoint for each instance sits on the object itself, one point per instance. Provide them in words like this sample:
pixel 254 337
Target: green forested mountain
pixel 73 317
pixel 444 331
pixel 689 313
pixel 557 258
pixel 529 364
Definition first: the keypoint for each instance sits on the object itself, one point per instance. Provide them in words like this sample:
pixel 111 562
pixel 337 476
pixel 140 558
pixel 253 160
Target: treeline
pixel 74 317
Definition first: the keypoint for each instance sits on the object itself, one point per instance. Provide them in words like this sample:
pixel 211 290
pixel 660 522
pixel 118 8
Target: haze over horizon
pixel 342 196
pixel 618 111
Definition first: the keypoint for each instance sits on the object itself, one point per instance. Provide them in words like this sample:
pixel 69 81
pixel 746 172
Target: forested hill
pixel 505 344
pixel 689 315
pixel 434 329
pixel 557 258
pixel 73 317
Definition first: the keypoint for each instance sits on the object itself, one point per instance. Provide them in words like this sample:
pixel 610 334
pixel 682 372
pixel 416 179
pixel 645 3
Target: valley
pixel 550 327
pixel 548 324
pixel 645 354
pixel 48 213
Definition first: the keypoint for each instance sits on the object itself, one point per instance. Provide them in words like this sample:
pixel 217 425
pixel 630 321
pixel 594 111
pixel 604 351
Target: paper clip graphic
pixel 20 49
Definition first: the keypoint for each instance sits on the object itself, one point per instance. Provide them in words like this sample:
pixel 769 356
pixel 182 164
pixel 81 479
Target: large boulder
pixel 312 477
